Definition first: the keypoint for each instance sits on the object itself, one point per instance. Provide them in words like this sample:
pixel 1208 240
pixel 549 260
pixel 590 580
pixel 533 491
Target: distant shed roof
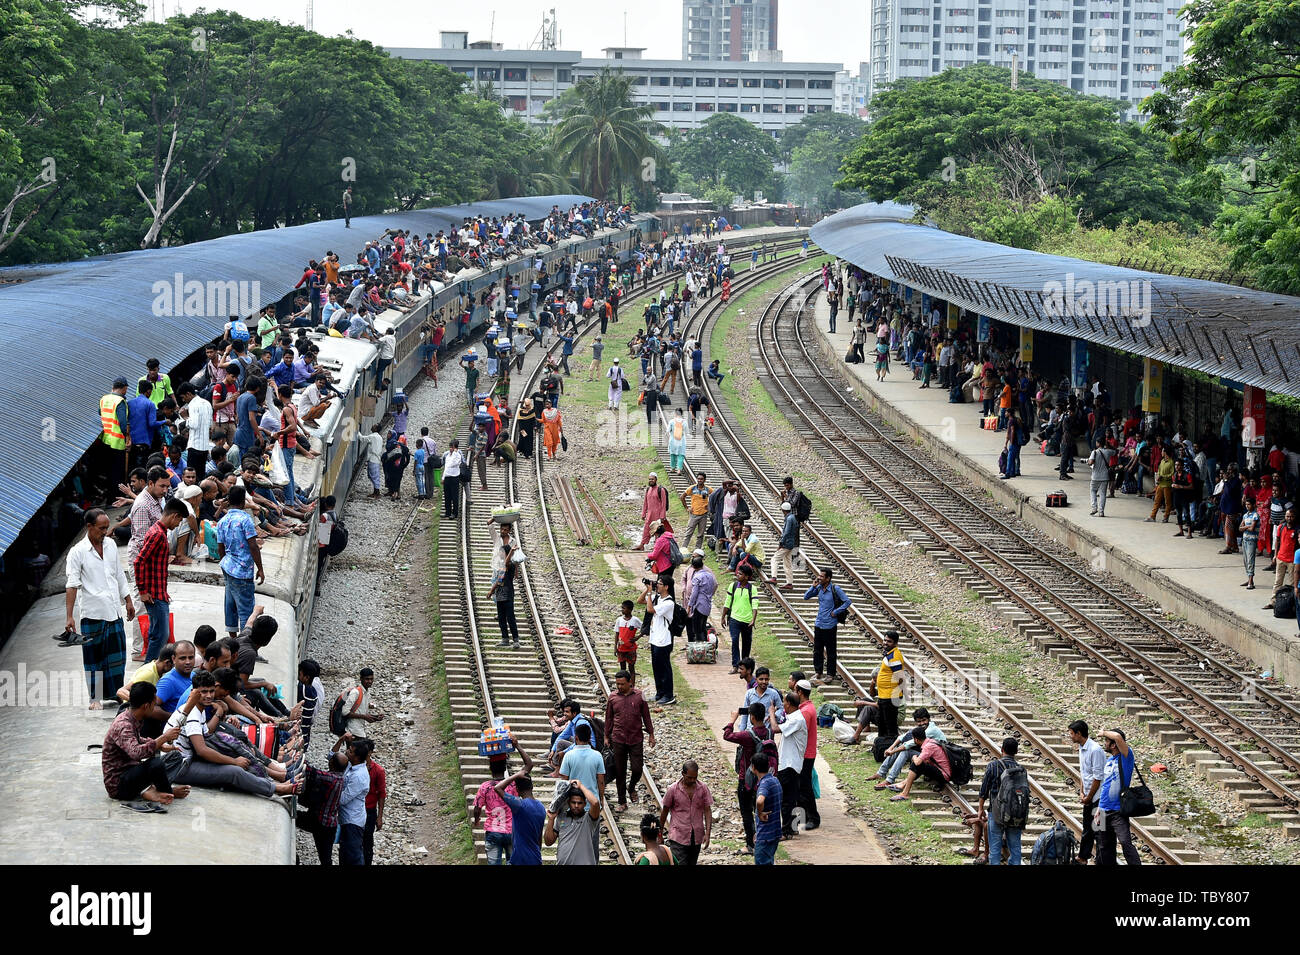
pixel 68 329
pixel 1224 330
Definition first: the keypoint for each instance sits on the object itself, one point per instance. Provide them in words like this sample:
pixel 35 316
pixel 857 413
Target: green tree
pixel 1041 141
pixel 841 127
pixel 603 135
pixel 1235 102
pixel 727 150
pixel 814 170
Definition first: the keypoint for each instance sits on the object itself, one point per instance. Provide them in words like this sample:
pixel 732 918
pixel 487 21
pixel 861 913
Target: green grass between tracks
pixel 445 774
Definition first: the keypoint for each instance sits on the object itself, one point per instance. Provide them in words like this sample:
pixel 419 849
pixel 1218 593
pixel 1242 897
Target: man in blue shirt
pixel 240 554
pixel 566 349
pixel 832 608
pixel 352 804
pixel 245 421
pixel 761 692
pixel 174 687
pixel 1120 761
pixel 142 415
pixel 527 819
pixel 767 810
pixel 282 372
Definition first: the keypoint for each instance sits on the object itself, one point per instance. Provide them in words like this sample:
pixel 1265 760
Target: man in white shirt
pixel 197 412
pixel 372 445
pixel 452 465
pixel 93 572
pixel 793 742
pixel 1092 768
pixel 658 600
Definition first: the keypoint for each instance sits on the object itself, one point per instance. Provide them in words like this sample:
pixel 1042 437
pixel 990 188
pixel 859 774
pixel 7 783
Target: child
pixel 421 460
pixel 626 631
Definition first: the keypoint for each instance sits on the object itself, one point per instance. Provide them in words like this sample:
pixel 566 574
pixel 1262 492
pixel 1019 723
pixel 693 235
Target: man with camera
pixel 659 602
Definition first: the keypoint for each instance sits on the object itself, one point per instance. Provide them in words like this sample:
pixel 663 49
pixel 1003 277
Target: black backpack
pixel 878 747
pixel 678 623
pixel 1284 603
pixel 1011 804
pixel 958 762
pixel 674 553
pixel 802 506
pixel 1056 846
pixel 338 539
pixel 339 719
pixel 767 747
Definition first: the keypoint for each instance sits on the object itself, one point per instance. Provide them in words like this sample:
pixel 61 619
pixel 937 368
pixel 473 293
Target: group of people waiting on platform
pixel 1207 483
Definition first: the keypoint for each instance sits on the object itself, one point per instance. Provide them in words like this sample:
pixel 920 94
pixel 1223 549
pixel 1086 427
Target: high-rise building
pixel 1115 48
pixel 727 29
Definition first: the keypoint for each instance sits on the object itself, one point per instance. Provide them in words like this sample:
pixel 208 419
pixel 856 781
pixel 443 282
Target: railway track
pixel 1183 688
pixel 952 683
pixel 486 679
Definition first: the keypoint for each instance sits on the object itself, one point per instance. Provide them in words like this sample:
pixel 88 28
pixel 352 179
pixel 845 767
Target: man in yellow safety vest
pixel 116 434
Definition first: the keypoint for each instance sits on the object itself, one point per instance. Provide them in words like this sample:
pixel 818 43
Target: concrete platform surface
pixel 56 809
pixel 1188 577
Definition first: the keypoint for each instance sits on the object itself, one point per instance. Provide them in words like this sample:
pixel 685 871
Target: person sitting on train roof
pixel 130 762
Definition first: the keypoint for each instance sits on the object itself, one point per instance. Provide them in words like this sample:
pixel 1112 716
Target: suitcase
pixel 1057 499
pixel 703 651
pixel 989 423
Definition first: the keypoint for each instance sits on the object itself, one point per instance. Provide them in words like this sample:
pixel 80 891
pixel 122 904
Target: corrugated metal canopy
pixel 1223 330
pixel 71 328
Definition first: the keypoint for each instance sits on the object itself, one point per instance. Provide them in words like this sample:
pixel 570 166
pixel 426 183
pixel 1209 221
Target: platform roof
pixel 68 329
pixel 1236 333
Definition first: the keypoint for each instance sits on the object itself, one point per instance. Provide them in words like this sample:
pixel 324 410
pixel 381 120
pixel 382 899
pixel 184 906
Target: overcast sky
pixel 829 31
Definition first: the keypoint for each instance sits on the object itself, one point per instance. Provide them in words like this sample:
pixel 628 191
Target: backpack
pixel 1284 603
pixel 1056 846
pixel 678 624
pixel 767 747
pixel 674 553
pixel 239 331
pixel 339 719
pixel 878 747
pixel 958 762
pixel 802 506
pixel 1011 804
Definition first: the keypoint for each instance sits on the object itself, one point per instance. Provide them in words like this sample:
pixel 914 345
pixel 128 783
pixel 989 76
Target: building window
pixel 516 75
pixel 819 107
pixel 683 81
pixel 726 107
pixel 546 75
pixel 682 107
pixel 771 107
pixel 794 107
pixel 727 82
pixel 794 84
pixel 820 84
pixel 749 107
pixel 662 106
pixel 660 80
pixel 518 103
pixel 704 81
pixel 751 82
pixel 704 107
pixel 771 84
pixel 563 76
pixel 488 73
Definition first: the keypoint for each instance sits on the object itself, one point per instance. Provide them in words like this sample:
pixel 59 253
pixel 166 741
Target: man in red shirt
pixel 808 711
pixel 627 716
pixel 375 800
pixel 151 576
pixel 1287 535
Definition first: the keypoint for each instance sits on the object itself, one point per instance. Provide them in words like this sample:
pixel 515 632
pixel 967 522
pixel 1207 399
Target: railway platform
pixel 1190 579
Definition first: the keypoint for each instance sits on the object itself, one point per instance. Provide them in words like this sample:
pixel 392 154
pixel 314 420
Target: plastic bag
pixel 843 731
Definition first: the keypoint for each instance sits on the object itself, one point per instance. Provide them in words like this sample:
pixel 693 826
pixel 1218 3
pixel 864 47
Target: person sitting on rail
pixel 931 762
pixel 905 746
pixel 571 711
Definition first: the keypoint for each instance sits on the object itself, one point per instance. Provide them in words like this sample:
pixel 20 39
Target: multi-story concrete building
pixel 727 29
pixel 851 90
pixel 1115 48
pixel 684 93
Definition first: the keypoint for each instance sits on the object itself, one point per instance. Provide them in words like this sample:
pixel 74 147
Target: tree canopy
pixel 727 151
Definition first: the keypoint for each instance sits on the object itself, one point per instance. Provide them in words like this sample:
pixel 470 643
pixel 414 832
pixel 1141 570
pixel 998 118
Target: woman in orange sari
pixel 551 425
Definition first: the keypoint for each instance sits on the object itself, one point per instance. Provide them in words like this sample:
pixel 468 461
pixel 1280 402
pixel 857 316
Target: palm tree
pixel 603 135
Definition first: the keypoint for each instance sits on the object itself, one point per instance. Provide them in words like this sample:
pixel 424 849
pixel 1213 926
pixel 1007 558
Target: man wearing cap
pixel 114 420
pixel 616 381
pixel 654 507
pixel 696 500
pixel 789 546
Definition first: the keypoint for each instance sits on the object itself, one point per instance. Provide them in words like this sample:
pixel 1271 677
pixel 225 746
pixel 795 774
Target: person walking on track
pixel 552 427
